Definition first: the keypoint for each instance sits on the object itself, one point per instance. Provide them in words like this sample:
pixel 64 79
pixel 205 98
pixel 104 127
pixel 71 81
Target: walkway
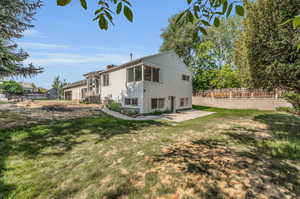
pixel 173 117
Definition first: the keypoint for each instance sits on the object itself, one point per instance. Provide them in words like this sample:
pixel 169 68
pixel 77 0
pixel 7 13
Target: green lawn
pixel 230 154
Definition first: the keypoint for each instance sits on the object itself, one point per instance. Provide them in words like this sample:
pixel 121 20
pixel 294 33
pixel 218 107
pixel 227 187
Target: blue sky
pixel 66 42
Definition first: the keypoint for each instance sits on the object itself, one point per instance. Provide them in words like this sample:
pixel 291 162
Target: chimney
pixel 109 66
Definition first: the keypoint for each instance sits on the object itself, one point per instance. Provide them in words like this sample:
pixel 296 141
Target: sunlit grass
pixel 103 157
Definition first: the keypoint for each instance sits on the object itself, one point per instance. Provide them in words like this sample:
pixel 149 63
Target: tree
pixel 15 18
pixel 268 47
pixel 58 85
pixel 210 57
pixel 11 87
pixel 207 74
pixel 199 12
pixel 224 37
pixel 179 38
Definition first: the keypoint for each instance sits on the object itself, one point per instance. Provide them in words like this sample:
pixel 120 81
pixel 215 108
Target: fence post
pixel 230 95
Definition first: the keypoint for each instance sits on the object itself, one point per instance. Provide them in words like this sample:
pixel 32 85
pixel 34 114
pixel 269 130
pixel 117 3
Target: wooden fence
pixel 232 93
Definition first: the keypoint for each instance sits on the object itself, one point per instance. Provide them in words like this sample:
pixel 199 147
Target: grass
pixel 229 154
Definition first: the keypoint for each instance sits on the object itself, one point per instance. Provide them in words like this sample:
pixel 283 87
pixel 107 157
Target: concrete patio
pixel 172 117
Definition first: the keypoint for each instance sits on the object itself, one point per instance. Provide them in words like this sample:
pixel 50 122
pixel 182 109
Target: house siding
pixel 76 92
pixel 119 89
pixel 171 83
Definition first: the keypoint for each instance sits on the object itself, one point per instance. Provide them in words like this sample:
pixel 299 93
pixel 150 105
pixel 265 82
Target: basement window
pixel 131 101
pixel 184 101
pixel 157 103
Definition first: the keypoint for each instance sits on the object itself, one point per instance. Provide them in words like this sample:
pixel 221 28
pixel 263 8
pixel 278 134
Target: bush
pixel 114 106
pixel 286 109
pixel 294 99
pixel 11 87
pixel 157 112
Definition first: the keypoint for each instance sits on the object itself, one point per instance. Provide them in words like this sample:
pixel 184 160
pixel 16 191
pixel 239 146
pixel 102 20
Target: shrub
pixel 114 106
pixel 294 99
pixel 286 109
pixel 11 87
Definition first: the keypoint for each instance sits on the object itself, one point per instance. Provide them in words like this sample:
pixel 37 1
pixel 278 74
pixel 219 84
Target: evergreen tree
pixel 15 18
pixel 267 49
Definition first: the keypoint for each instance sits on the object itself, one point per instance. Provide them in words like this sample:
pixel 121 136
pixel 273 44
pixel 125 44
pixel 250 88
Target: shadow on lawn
pixel 59 137
pixel 266 170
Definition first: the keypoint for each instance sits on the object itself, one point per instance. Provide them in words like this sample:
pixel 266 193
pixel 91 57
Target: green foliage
pixel 208 71
pixel 11 87
pixel 114 106
pixel 211 57
pixel 179 38
pixel 42 90
pixel 199 12
pixel 59 84
pixel 15 18
pixel 107 8
pixel 286 109
pixel 225 77
pixel 294 99
pixel 267 49
pixel 224 38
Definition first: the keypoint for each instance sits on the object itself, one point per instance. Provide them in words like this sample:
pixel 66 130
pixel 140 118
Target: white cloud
pixel 34 33
pixel 47 59
pixel 35 45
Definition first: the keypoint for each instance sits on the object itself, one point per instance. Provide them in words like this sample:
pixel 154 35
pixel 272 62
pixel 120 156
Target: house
pixel 157 82
pixel 52 94
pixel 28 87
pixel 75 91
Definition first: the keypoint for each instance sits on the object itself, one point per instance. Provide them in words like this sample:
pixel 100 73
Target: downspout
pixel 143 90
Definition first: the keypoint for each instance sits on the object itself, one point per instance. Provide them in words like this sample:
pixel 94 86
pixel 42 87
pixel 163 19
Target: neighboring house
pixel 157 82
pixel 75 91
pixel 28 87
pixel 52 93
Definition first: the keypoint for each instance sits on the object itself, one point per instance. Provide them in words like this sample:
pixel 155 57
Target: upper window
pixel 134 74
pixel 185 77
pixel 151 74
pixel 90 84
pixel 105 79
pixel 155 74
pixel 138 73
pixel 97 85
pixel 130 73
pixel 147 73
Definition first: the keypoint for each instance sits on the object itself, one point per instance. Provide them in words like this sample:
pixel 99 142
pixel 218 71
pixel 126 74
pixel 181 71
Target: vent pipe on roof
pixel 109 66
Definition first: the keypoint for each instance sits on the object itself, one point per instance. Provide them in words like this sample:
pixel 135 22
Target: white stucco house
pixel 157 82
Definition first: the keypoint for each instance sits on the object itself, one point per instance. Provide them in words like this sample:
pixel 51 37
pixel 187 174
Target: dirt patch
pixel 212 170
pixel 31 112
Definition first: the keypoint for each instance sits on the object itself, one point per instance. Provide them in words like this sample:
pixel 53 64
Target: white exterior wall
pixel 171 83
pixel 119 89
